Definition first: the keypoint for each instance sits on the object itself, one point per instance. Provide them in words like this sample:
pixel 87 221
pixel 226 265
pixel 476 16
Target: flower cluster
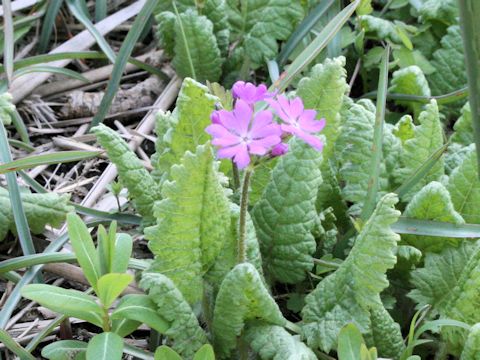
pixel 242 132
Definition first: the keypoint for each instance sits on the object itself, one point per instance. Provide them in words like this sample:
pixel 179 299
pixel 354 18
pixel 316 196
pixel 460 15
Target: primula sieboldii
pixel 242 132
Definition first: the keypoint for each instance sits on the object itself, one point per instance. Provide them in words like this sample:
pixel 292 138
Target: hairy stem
pixel 242 233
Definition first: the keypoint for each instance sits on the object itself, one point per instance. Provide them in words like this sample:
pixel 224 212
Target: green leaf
pixel 260 24
pixel 46 159
pixel 428 138
pixel 196 51
pixel 323 91
pixel 193 222
pixel 84 249
pixel 110 286
pixel 50 69
pixel 404 129
pixel 274 342
pixel 432 202
pixel 449 282
pixel 141 186
pixel 351 293
pixel 63 349
pixel 449 64
pixel 185 331
pixel 124 327
pixel 349 342
pixel 166 353
pixel 242 297
pixel 120 253
pixel 365 7
pixel 205 353
pixel 14 347
pixel 40 209
pixel 48 23
pixel 410 80
pixel 382 29
pixel 186 125
pixel 464 188
pixel 105 346
pixel 142 309
pixel 463 127
pixel 284 216
pixel 445 11
pixel 69 302
pixel 227 259
pixel 471 351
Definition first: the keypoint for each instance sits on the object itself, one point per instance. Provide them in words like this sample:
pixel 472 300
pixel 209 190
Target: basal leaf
pixel 260 24
pixel 432 202
pixel 40 210
pixel 193 221
pixel 404 128
pixel 445 11
pixel 242 297
pixel 428 138
pixel 464 188
pixel 471 351
pixel 142 188
pixel 323 91
pixel 410 80
pixel 185 331
pixel 272 342
pixel 449 282
pixel 455 155
pixel 105 346
pixel 184 129
pixel 285 215
pixel 196 51
pixel 463 127
pixel 352 292
pixel 382 29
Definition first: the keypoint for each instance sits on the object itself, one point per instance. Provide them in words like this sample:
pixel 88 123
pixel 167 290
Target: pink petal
pixel 229 120
pixel 272 129
pixel 237 88
pixel 266 142
pixel 225 141
pixel 260 120
pixel 296 107
pixel 215 117
pixel 312 126
pixel 229 152
pixel 277 107
pixel 311 140
pixel 243 114
pixel 256 149
pixel 279 149
pixel 217 130
pixel 242 159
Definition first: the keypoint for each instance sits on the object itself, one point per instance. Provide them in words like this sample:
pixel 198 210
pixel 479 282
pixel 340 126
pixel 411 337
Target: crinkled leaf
pixel 353 290
pixel 463 127
pixel 6 108
pixel 385 30
pixel 40 210
pixel 464 188
pixel 404 128
pixel 142 188
pixel 228 257
pixel 432 202
pixel 185 331
pixel 471 351
pixel 445 11
pixel 242 297
pixel 449 282
pixel 411 81
pixel 196 51
pixel 455 155
pixel 274 342
pixel 260 24
pixel 428 138
pixel 285 215
pixel 323 91
pixel 193 221
pixel 184 129
pixel 449 64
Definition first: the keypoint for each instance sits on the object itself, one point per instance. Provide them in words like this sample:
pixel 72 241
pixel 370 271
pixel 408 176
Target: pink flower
pixel 298 121
pixel 279 149
pixel 249 93
pixel 240 133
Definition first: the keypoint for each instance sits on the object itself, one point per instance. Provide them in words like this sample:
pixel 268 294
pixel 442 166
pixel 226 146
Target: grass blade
pixel 436 228
pixel 420 172
pixel 469 14
pixel 47 159
pixel 17 121
pixel 48 24
pixel 51 69
pixel 8 33
pixel 371 198
pixel 441 99
pixel 100 10
pixel 77 9
pixel 21 223
pixel 122 58
pixel 12 345
pixel 316 46
pixel 303 29
pixel 21 262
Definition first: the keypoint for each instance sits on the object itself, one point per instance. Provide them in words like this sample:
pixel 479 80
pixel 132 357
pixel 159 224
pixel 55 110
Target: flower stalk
pixel 242 228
